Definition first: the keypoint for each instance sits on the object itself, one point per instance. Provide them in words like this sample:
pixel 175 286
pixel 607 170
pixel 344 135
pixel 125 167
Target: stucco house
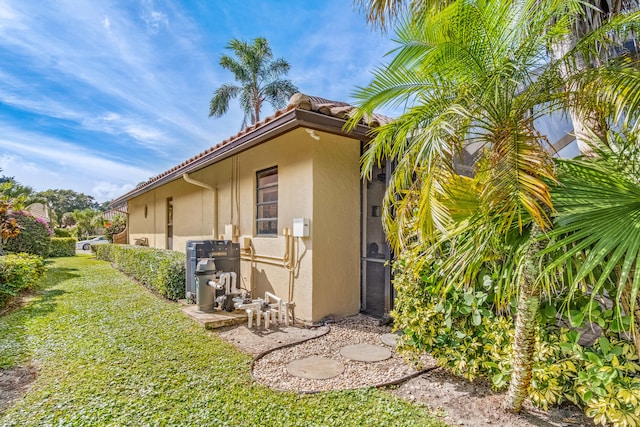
pixel 297 165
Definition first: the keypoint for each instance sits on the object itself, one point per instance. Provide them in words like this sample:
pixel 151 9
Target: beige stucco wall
pixel 336 227
pixel 317 179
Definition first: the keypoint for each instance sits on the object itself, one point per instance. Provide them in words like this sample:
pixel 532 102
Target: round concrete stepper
pixel 365 352
pixel 389 339
pixel 315 368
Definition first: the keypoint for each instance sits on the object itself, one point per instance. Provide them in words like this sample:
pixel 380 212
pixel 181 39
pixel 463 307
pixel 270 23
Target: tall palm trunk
pixel 525 336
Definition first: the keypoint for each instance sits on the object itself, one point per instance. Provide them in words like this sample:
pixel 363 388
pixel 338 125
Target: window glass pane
pixel 269 177
pixel 267 202
pixel 268 195
pixel 268 212
pixel 267 227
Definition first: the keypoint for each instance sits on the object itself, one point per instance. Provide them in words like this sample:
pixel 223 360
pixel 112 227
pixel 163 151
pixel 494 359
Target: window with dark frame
pixel 267 202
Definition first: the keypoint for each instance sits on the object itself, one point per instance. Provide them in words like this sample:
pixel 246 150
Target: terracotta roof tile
pixel 324 106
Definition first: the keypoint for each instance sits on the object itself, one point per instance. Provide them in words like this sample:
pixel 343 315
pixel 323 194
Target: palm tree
pixel 87 221
pixel 587 16
pixel 20 196
pixel 260 79
pixel 474 74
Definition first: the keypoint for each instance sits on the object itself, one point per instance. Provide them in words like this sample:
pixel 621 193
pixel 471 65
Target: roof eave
pixel 292 119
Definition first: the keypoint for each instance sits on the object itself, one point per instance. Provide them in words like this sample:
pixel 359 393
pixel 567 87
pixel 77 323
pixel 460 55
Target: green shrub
pixel 34 237
pixel 158 269
pixel 61 232
pixel 18 272
pixel 466 334
pixel 62 246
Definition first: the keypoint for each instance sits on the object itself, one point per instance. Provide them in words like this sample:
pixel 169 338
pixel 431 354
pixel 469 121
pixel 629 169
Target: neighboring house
pixel 39 210
pixel 295 165
pixel 115 211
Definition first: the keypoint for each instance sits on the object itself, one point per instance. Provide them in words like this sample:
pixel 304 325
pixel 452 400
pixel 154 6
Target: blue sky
pixel 97 96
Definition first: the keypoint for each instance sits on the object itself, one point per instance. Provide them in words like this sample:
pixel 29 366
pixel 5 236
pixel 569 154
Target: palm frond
pixel 598 218
pixel 277 93
pixel 239 71
pixel 275 69
pixel 219 104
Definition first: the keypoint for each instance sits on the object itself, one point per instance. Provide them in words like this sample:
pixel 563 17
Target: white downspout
pixel 190 180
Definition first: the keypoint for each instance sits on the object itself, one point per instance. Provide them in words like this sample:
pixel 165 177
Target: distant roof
pixel 303 111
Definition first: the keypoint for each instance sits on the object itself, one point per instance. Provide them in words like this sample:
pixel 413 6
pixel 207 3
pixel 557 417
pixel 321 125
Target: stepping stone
pixel 315 368
pixel 389 339
pixel 365 352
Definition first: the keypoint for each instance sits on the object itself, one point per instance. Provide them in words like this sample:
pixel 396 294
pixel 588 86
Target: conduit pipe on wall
pixel 288 261
pixel 190 180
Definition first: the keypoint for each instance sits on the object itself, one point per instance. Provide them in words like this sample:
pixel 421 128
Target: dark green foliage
pixel 61 232
pixel 62 246
pixel 34 237
pixel 18 272
pixel 158 269
pixel 462 329
pixel 61 201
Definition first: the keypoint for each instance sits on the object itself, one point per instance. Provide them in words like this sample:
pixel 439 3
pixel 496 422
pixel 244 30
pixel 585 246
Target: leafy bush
pixel 18 272
pixel 62 246
pixel 34 236
pixel 8 224
pixel 158 269
pixel 61 232
pixel 466 334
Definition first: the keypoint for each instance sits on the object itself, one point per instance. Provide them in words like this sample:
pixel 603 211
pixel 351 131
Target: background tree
pixel 61 201
pixel 259 77
pixel 68 220
pixel 87 221
pixel 5 178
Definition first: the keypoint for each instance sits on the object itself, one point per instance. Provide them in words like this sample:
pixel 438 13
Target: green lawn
pixel 111 353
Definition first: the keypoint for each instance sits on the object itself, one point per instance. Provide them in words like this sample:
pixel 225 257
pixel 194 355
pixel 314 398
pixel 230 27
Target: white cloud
pixel 154 19
pixel 124 69
pixel 143 133
pixel 105 190
pixel 139 75
pixel 6 12
pixel 109 117
pixel 9 161
pixel 55 163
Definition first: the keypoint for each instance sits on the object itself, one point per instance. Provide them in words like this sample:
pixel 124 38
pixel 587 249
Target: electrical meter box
pixel 301 227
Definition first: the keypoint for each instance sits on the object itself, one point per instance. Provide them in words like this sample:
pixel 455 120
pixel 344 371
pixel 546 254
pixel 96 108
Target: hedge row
pixel 158 269
pixel 18 272
pixel 62 246
pixel 62 232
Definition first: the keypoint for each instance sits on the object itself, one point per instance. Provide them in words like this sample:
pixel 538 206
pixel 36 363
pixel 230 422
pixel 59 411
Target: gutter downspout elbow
pixel 190 180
